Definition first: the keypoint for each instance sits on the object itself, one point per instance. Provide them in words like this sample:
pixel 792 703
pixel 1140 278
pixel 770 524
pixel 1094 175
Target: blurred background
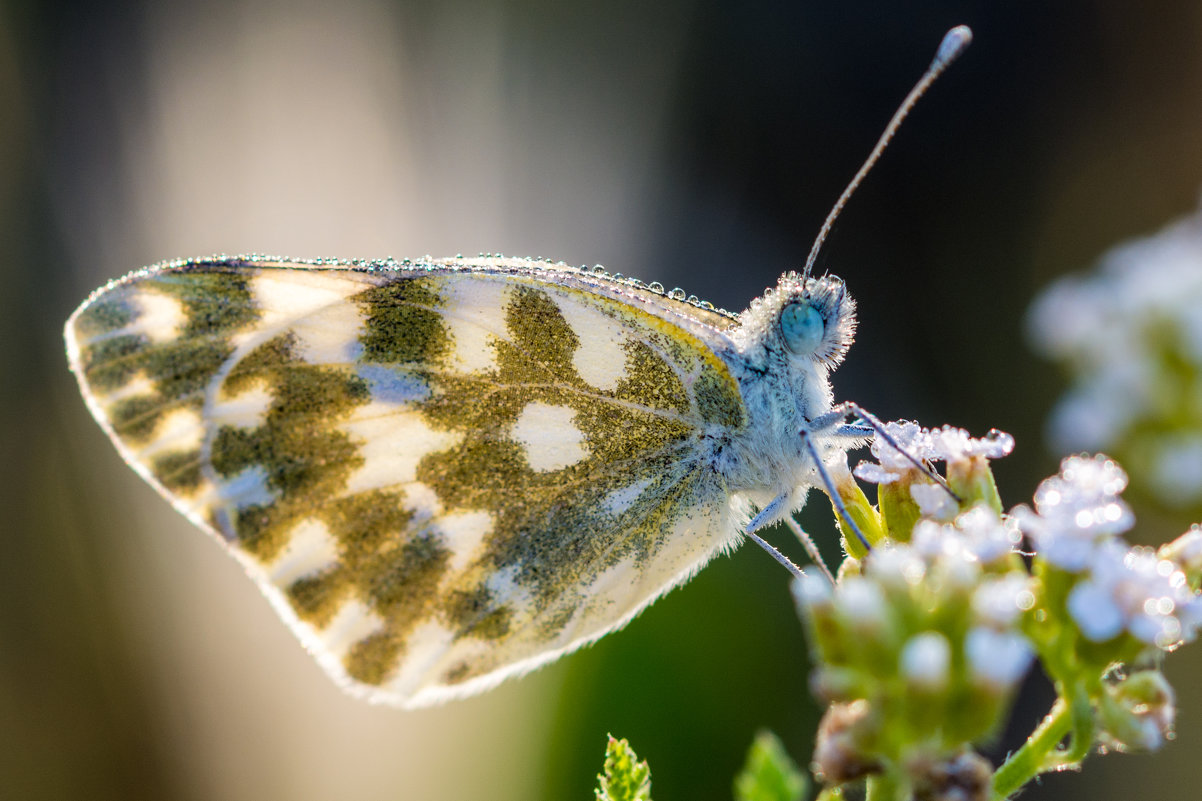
pixel 694 142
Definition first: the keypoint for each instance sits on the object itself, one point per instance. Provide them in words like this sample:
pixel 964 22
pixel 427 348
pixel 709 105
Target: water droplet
pixel 656 286
pixel 693 299
pixel 677 294
pixel 705 304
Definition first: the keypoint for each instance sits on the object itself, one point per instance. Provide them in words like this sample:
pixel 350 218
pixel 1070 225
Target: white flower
pixel 1137 284
pixel 1130 333
pixel 997 659
pixel 1076 509
pixel 1106 402
pixel 812 590
pixel 950 554
pixel 1186 551
pixel 861 602
pixel 1177 476
pixel 977 535
pixel 947 444
pixel 934 501
pixel 952 444
pixel 912 438
pixel 989 538
pixel 926 660
pixel 999 601
pixel 896 566
pixel 1137 591
pixel 893 464
pixel 1097 613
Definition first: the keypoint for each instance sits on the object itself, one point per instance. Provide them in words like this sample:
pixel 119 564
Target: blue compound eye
pixel 802 327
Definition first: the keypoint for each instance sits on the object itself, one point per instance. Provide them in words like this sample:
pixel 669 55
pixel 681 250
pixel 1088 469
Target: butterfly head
pixel 807 320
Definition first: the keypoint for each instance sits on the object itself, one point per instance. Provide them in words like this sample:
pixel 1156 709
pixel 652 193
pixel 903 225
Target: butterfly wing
pixel 441 474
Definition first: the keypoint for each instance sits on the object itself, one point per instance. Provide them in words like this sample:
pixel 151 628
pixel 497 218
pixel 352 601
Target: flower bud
pixel 997 660
pixel 1137 714
pixel 840 750
pixel 1186 551
pixel 859 510
pixel 861 604
pixel 965 777
pixel 926 661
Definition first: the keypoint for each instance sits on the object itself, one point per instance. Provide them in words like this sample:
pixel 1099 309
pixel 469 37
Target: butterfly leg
pixel 772 551
pixel 808 543
pixel 831 491
pixel 768 515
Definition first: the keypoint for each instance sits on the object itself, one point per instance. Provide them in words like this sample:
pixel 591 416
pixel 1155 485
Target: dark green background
pixel 695 143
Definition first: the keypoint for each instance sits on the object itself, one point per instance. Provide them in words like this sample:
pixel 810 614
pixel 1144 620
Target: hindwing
pixel 440 473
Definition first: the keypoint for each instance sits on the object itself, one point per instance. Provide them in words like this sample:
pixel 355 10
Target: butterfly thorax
pixel 787 343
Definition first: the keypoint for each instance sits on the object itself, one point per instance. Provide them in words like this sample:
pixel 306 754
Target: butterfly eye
pixel 802 327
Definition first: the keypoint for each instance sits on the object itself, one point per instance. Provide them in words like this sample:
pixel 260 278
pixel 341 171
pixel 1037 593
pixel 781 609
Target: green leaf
pixel 769 774
pixel 625 778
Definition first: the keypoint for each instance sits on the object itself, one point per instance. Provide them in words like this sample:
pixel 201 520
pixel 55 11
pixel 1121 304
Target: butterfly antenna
pixel 954 43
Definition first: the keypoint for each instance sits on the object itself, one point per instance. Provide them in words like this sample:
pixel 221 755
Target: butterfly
pixel 445 472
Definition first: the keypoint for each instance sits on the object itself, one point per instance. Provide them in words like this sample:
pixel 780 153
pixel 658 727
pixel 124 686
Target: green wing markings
pixel 374 659
pixel 363 525
pixel 401 585
pixel 213 306
pixel 317 597
pixel 551 530
pixel 478 613
pixel 217 299
pixel 402 323
pixel 545 523
pixel 651 381
pixel 718 401
pixel 305 459
pixel 142 369
pixel 104 315
pixel 178 470
pixel 112 362
pixel 386 563
pixel 542 342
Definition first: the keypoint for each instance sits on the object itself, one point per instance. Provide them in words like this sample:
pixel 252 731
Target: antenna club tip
pixel 954 43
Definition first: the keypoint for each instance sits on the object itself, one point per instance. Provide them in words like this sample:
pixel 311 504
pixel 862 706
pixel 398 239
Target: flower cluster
pixel 921 643
pixel 918 643
pixel 1130 335
pixel 1114 593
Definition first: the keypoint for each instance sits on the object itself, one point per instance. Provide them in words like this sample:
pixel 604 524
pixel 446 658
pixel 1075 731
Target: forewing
pixel 440 474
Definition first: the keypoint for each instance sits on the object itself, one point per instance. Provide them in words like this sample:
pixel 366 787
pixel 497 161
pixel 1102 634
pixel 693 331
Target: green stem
pixel 1082 739
pixel 1036 755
